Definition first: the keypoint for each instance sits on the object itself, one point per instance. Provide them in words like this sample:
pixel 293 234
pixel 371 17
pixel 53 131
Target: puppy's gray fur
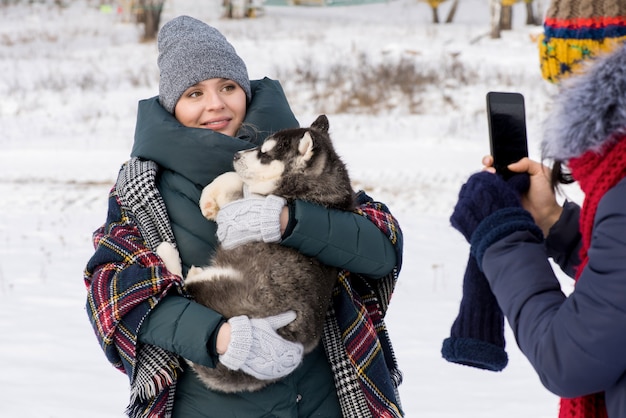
pixel 259 279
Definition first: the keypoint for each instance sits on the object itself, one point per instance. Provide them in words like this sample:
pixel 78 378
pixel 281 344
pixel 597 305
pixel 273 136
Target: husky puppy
pixel 260 279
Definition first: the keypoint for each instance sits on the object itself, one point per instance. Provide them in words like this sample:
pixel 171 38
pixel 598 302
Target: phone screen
pixel 507 129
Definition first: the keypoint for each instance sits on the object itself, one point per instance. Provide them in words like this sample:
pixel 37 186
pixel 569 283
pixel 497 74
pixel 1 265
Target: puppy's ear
pixel 305 148
pixel 321 123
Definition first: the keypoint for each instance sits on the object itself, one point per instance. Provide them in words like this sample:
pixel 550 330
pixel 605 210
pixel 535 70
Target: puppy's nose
pixel 237 156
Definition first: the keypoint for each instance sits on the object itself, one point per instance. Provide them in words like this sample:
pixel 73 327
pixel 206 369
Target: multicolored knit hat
pixel 576 30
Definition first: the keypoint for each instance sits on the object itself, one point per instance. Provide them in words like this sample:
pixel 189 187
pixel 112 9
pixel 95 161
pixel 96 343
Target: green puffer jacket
pixel 191 158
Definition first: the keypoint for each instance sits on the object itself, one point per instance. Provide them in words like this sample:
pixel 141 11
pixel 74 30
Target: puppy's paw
pixel 194 271
pixel 209 206
pixel 170 256
pixel 221 191
pixel 194 274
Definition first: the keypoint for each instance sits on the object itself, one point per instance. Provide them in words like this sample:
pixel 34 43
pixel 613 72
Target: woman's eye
pixel 229 87
pixel 194 94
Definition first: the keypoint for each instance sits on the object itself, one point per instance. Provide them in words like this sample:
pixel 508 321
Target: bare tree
pixel 149 13
pixel 495 10
pixel 434 5
pixel 452 11
pixel 533 18
pixel 539 8
pixel 501 12
pixel 506 17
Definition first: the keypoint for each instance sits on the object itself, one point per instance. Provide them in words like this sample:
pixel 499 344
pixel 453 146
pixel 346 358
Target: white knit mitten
pixel 256 348
pixel 251 219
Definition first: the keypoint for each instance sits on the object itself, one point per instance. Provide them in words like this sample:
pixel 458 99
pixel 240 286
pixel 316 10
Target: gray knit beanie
pixel 191 51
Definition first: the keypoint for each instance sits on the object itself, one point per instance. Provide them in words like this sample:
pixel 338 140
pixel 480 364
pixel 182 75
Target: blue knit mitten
pixel 483 194
pixel 488 209
pixel 477 334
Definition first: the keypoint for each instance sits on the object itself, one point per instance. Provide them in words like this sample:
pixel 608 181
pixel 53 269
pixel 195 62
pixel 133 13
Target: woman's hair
pixel 560 175
pixel 249 130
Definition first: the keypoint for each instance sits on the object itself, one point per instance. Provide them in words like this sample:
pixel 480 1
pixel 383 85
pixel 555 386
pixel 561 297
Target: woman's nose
pixel 213 102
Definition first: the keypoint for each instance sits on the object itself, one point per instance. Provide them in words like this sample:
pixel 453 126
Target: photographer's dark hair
pixel 560 175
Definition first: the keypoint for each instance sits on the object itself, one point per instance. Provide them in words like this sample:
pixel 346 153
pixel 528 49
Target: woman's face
pixel 218 104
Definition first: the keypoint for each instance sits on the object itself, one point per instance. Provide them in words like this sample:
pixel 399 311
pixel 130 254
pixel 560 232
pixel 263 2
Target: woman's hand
pixel 223 338
pixel 257 349
pixel 256 218
pixel 540 200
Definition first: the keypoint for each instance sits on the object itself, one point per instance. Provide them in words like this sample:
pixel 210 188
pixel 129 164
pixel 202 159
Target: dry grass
pixel 362 86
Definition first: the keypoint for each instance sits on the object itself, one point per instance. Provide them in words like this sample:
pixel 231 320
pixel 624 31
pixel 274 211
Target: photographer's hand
pixel 540 200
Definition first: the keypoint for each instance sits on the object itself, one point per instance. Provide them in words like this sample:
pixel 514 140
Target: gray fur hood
pixel 590 110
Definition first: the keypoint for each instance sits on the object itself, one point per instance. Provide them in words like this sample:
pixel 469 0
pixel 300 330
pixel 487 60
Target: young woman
pixel 576 343
pixel 206 111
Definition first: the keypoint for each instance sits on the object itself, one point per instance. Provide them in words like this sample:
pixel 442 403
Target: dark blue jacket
pixel 191 158
pixel 577 344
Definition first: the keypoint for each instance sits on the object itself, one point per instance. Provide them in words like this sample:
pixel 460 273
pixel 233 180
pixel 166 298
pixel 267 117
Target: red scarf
pixel 596 173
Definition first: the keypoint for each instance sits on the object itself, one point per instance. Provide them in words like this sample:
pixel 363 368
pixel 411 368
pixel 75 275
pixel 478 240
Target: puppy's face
pixel 263 167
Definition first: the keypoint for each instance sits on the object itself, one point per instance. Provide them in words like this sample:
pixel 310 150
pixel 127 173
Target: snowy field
pixel 70 83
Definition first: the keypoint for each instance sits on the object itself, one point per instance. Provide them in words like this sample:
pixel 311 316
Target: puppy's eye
pixel 265 157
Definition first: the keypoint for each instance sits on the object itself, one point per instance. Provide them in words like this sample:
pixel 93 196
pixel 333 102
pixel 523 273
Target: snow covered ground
pixel 70 83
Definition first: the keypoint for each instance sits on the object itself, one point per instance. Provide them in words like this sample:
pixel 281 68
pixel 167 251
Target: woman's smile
pixel 218 104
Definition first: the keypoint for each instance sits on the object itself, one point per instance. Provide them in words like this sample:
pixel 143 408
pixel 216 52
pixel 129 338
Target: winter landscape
pixel 70 81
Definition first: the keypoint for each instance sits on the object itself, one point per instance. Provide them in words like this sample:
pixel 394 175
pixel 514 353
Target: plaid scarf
pixel 596 173
pixel 355 336
pixel 359 307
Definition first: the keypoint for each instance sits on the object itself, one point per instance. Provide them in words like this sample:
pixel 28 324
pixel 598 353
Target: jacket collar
pixel 198 154
pixel 201 154
pixel 589 111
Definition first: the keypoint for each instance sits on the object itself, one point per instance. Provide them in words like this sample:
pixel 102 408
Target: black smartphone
pixel 507 129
